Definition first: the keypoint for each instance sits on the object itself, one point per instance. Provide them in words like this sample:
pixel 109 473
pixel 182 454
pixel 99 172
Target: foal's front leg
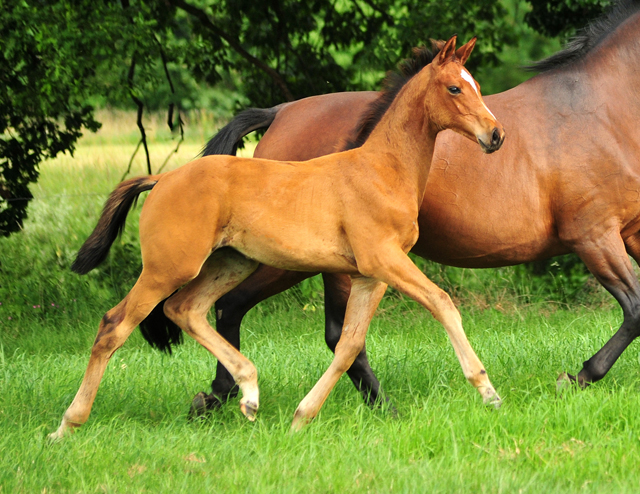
pixel 398 271
pixel 366 294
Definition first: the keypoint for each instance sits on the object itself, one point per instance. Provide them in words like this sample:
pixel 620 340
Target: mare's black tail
pixel 227 139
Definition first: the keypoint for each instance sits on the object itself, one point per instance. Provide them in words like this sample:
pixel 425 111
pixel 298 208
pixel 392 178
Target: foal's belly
pixel 297 252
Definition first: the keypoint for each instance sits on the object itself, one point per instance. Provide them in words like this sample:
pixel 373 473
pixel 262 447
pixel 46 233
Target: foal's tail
pixel 157 328
pixel 111 223
pixel 228 137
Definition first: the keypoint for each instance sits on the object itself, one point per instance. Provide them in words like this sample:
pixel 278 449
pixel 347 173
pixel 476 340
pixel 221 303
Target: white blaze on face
pixel 467 77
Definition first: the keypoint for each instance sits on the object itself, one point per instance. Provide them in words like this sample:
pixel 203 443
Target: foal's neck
pixel 406 134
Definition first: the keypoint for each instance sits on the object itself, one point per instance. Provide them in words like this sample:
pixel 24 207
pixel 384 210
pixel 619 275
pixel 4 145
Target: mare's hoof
pixel 249 409
pixel 203 403
pixel 381 402
pixel 391 410
pixel 198 405
pixel 565 382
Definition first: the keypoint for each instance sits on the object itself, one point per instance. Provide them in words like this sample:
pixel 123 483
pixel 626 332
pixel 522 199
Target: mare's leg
pixel 336 289
pixel 607 259
pixel 397 270
pixel 188 308
pixel 231 308
pixel 115 328
pixel 265 282
pixel 365 297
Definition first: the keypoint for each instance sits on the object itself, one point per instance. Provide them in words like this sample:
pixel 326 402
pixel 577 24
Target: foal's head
pixel 454 100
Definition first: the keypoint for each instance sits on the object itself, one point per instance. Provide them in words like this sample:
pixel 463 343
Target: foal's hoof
pixel 66 428
pixel 493 401
pixel 249 409
pixel 490 397
pixel 54 437
pixel 300 420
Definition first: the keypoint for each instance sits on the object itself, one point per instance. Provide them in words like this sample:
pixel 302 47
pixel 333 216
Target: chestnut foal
pixel 206 226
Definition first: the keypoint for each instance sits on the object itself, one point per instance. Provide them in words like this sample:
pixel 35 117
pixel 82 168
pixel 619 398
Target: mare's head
pixel 454 100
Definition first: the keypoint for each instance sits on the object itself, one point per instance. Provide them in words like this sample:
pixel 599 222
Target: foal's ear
pixel 447 52
pixel 464 51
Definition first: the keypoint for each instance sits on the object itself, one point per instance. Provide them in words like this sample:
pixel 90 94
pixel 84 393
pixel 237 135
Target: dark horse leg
pixel 262 284
pixel 611 266
pixel 336 294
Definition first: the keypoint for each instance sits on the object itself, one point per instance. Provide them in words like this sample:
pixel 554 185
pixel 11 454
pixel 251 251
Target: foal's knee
pixel 443 309
pixel 347 350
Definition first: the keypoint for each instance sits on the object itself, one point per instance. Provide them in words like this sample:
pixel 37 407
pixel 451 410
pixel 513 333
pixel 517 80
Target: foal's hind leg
pixel 366 294
pixel 188 308
pixel 115 328
pixel 608 261
pixel 231 308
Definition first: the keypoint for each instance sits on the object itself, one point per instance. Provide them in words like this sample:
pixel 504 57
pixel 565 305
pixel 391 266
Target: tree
pixel 56 54
pixel 562 17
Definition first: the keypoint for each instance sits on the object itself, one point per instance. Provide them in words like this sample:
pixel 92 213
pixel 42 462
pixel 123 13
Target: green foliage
pixel 561 17
pixel 44 81
pixel 565 276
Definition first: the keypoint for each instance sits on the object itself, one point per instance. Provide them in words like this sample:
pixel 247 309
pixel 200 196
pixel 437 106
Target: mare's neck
pixel 406 135
pixel 606 75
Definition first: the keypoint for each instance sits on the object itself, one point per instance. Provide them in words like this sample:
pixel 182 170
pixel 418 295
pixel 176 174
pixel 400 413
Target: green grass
pixel 139 439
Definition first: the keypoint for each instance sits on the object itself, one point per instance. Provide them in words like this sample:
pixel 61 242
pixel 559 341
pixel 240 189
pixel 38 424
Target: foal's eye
pixel 454 89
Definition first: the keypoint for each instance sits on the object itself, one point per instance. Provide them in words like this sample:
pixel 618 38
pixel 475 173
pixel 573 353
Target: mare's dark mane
pixel 391 86
pixel 589 37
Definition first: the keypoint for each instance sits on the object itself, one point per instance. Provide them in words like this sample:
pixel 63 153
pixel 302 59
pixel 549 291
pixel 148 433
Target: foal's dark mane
pixel 589 37
pixel 391 86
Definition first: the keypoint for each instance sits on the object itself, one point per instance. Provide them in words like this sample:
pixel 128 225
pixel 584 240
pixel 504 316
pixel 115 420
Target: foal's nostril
pixel 495 137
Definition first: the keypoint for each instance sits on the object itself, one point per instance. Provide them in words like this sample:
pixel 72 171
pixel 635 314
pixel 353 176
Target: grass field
pixel 139 439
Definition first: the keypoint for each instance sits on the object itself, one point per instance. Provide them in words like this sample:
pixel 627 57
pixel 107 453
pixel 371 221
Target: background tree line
pixel 61 58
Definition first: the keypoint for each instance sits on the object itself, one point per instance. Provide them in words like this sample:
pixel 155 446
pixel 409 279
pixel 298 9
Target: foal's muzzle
pixel 492 141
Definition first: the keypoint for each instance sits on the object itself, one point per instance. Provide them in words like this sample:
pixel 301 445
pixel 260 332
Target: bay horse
pixel 567 180
pixel 207 225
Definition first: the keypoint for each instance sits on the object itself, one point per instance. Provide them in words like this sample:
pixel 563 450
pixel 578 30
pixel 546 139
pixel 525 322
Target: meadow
pixel 440 438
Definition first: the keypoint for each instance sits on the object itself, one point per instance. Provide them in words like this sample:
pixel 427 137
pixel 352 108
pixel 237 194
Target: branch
pixel 136 100
pixel 163 56
pixel 124 175
pixel 202 16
